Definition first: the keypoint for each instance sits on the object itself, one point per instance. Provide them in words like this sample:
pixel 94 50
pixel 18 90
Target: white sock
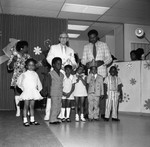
pixel 68 112
pixel 17 106
pixel 63 112
pixel 32 119
pixel 25 120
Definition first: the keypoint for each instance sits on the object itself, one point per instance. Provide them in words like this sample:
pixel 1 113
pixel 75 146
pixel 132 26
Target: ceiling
pixel 121 11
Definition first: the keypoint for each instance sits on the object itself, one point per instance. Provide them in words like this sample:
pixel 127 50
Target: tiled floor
pixel 131 131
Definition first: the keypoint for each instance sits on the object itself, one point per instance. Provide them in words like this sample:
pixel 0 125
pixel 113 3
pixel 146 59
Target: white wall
pixel 78 46
pixel 110 40
pixel 119 43
pixel 129 37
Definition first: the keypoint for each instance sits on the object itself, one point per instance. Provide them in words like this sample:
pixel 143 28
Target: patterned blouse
pixel 19 67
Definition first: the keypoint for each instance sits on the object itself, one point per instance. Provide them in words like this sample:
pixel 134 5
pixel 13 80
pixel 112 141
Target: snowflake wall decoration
pixel 147 65
pixel 133 81
pixel 147 104
pixel 126 97
pixel 129 65
pixel 37 50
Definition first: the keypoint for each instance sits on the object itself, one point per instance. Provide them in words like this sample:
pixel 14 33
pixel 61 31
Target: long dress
pixel 31 86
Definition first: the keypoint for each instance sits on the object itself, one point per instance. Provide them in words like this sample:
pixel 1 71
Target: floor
pixel 131 131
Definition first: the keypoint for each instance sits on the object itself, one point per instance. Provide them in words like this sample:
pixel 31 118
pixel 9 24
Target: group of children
pixel 66 87
pixel 63 87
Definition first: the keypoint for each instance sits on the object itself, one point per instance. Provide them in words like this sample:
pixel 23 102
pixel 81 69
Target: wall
pixel 78 46
pixel 110 40
pixel 119 42
pixel 129 36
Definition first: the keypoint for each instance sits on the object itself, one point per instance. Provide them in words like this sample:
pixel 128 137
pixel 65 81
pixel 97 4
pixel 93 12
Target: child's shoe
pixel 115 119
pixel 82 118
pixel 77 117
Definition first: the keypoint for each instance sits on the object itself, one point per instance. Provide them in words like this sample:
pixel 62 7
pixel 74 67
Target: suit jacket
pixel 56 83
pixel 67 56
pixel 102 53
pixel 95 85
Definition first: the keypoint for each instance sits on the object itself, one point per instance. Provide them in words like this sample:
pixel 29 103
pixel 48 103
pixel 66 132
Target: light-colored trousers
pixel 111 103
pixel 93 101
pixel 55 108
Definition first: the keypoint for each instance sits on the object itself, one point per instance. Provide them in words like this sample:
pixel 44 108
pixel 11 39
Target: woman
pixel 16 64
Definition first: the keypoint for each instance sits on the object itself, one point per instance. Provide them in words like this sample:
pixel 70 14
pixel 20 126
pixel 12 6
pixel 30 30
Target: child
pixel 80 92
pixel 95 91
pixel 30 84
pixel 46 91
pixel 56 90
pixel 68 88
pixel 114 93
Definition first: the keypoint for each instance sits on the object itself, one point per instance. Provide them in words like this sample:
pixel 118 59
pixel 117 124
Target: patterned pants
pixel 55 108
pixel 111 103
pixel 93 106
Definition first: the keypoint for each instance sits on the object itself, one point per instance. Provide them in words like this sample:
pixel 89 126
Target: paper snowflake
pixel 147 104
pixel 126 97
pixel 129 65
pixel 37 50
pixel 133 81
pixel 147 65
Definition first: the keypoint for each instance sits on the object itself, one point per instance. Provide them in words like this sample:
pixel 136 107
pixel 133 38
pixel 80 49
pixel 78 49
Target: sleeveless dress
pixel 31 86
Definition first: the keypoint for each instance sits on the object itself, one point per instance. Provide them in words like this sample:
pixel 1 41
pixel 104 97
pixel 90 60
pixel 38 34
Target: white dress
pixel 80 89
pixel 30 84
pixel 67 86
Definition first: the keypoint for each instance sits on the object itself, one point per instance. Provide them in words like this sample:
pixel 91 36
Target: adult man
pixel 63 51
pixel 66 54
pixel 98 51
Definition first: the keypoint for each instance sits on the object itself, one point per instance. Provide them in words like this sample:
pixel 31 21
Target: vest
pixel 57 84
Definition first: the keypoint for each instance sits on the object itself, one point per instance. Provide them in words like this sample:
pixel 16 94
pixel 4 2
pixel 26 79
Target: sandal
pixel 34 123
pixel 26 124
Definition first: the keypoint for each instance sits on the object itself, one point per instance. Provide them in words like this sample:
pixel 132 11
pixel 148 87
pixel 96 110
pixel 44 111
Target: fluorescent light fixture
pixel 77 27
pixel 73 35
pixel 87 9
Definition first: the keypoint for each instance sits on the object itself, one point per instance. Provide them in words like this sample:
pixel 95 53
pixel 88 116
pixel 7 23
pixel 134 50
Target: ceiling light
pixel 88 9
pixel 77 27
pixel 73 35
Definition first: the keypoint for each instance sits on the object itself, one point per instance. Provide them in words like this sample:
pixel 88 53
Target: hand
pixel 120 98
pixel 67 95
pixel 99 62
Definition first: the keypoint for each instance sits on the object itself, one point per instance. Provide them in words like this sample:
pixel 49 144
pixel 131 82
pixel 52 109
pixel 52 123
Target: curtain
pixel 35 30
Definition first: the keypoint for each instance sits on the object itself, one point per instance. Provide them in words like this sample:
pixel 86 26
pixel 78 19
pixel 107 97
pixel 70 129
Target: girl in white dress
pixel 80 92
pixel 31 86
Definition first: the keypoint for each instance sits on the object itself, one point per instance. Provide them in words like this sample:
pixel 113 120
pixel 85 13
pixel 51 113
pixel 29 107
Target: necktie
pixel 94 50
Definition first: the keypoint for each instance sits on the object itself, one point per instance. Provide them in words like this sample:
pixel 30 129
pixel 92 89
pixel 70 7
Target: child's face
pixel 93 70
pixel 31 66
pixel 80 70
pixel 67 72
pixel 113 71
pixel 58 65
